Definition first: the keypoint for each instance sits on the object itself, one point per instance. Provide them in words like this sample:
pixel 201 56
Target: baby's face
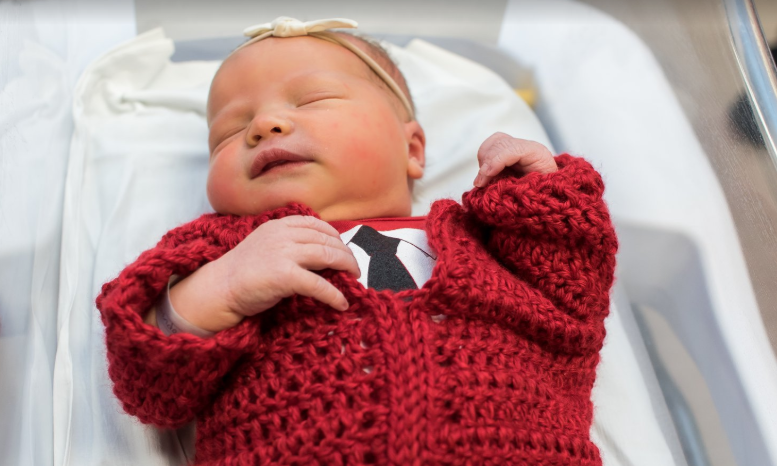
pixel 301 120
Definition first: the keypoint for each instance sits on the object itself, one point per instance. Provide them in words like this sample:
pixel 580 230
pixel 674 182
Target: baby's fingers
pixel 319 257
pixel 309 284
pixel 501 150
pixel 308 221
pixel 309 236
pixel 492 155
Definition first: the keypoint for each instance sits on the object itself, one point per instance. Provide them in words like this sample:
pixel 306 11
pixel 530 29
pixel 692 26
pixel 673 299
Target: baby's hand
pixel 502 151
pixel 277 259
pixel 273 262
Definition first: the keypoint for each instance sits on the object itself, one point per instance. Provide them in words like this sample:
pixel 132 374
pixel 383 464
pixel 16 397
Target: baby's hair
pixel 382 57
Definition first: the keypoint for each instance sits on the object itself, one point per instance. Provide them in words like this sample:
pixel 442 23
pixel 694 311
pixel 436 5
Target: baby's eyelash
pixel 310 101
pixel 316 98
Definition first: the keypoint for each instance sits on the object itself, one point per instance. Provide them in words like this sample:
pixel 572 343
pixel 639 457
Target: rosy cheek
pixel 221 183
pixel 215 190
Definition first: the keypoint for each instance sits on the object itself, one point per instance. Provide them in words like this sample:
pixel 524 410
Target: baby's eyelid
pixel 317 97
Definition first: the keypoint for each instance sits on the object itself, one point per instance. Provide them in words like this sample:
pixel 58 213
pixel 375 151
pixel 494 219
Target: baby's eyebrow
pixel 316 77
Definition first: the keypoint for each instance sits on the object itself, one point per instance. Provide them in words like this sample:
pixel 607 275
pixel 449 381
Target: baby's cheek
pixel 220 188
pixel 373 137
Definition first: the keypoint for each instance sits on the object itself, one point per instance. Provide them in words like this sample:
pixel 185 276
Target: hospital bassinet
pixel 681 210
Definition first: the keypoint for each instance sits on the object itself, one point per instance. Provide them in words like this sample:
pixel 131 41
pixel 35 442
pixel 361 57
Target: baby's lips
pixel 267 156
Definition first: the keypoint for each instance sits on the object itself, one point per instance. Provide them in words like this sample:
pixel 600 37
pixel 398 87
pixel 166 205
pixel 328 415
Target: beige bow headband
pixel 290 27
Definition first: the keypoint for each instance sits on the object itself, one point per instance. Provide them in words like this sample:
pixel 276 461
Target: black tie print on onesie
pixel 385 271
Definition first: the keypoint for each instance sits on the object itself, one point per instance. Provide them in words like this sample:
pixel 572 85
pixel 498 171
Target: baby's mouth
pixel 276 159
pixel 282 163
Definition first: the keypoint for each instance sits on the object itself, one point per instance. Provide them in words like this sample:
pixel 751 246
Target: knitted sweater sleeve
pixel 553 232
pixel 167 380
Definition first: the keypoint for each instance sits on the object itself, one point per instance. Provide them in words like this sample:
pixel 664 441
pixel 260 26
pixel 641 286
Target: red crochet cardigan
pixel 523 275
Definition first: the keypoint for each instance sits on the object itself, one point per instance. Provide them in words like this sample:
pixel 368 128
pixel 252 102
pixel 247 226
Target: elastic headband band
pixel 290 27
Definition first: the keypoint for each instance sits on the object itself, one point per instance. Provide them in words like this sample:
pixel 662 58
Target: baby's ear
pixel 416 149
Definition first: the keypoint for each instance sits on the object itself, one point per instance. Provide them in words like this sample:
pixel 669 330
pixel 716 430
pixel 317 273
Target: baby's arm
pixel 166 381
pixel 547 222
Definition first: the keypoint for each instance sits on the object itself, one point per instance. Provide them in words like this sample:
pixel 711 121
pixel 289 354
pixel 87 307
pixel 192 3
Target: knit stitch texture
pixel 523 275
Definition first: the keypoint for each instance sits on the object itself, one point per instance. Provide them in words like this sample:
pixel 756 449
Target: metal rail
pixel 757 67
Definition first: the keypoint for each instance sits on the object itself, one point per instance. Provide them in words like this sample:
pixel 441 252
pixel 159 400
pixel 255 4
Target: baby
pixel 312 321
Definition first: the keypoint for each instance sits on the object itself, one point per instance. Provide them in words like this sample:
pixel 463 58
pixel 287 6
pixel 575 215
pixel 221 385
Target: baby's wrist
pixel 171 322
pixel 199 300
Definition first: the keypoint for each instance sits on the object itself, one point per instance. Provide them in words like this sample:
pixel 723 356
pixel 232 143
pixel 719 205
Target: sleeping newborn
pixel 310 319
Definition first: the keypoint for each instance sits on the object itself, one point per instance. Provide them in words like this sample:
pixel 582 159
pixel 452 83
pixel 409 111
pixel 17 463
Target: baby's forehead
pixel 286 61
pixel 274 54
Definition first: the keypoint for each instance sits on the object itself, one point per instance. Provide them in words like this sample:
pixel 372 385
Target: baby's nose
pixel 267 126
pixel 276 129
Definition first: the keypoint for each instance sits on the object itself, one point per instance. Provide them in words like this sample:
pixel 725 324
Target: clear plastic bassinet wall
pixel 672 100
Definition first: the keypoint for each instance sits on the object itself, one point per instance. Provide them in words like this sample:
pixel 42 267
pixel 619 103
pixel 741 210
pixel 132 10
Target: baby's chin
pixel 328 204
pixel 327 212
pixel 247 209
pixel 244 202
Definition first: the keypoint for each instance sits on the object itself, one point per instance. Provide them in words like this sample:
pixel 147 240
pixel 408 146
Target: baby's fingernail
pixel 343 306
pixel 485 168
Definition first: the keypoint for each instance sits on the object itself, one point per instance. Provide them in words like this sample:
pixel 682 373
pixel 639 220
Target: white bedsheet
pixel 137 168
pixel 45 47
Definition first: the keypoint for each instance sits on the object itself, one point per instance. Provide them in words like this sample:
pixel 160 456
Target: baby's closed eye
pixel 317 96
pixel 310 89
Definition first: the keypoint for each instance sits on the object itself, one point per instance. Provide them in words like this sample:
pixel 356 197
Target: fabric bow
pixel 290 27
